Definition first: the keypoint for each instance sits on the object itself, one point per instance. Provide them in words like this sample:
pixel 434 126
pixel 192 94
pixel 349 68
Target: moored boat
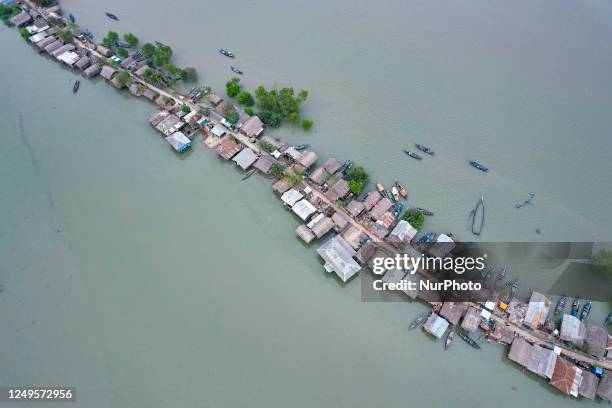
pixel 560 304
pixel 380 188
pixel 425 211
pixel 76 85
pixel 468 339
pixel 401 189
pixel 424 148
pixel 345 167
pixel 389 195
pixel 449 339
pixel 399 209
pixel 236 70
pixel 413 154
pixel 301 147
pixel 227 53
pixel 395 193
pixel 608 320
pixel 419 320
pixel 248 174
pixel 575 306
pixel 479 166
pixel 112 16
pixel 585 310
pixel 71 17
pixel 122 44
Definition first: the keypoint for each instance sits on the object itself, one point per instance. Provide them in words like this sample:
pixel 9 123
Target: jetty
pixel 352 228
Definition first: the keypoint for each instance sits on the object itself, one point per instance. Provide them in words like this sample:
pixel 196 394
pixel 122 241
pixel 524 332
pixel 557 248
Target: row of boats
pixel 230 54
pixel 562 302
pixel 429 151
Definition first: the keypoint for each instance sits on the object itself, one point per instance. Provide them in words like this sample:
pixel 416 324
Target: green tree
pixel 123 79
pixel 172 69
pixel 414 218
pixel 148 50
pixel 245 98
pixel 280 104
pixel 154 77
pixel 189 74
pixel 249 111
pixel 130 39
pixel 307 124
pixel 122 52
pixel 232 87
pixel 271 119
pixel 296 178
pixel 357 178
pixel 268 147
pixel 278 169
pixel 24 33
pixel 65 35
pixel 186 109
pixel 230 113
pixel 110 40
pixel 162 55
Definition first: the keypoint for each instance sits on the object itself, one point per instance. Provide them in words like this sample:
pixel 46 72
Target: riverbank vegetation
pixel 131 39
pixel 414 218
pixel 357 179
pixel 6 12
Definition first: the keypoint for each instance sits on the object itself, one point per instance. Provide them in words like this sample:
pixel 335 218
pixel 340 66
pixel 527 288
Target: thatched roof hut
pixel 252 127
pixel 340 221
pixel 322 226
pixel 108 72
pixel 264 163
pixel 307 159
pixel 331 165
pixel 305 233
pixel 282 185
pixel 341 188
pixel 318 176
pixel 83 63
pixel 380 208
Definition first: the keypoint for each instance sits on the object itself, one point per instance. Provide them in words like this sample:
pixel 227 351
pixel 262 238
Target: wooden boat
pixel 380 188
pixel 425 211
pixel 390 195
pixel 399 209
pixel 419 320
pixel 76 85
pixel 112 16
pixel 449 339
pixel 395 193
pixel 236 70
pixel 527 201
pixel 344 168
pixel 401 189
pixel 477 226
pixel 226 53
pixel 413 154
pixel 249 174
pixel 560 304
pixel 575 307
pixel 608 320
pixel 122 44
pixel 479 166
pixel 71 17
pixel 301 147
pixel 585 310
pixel 468 339
pixel 424 149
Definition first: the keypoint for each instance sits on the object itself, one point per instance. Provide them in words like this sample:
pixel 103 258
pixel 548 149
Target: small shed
pixel 354 208
pixel 304 209
pixel 228 148
pixel 305 233
pixel 219 130
pixel 102 50
pixel 331 165
pixel 179 141
pixel 245 158
pixel 380 208
pixel 307 159
pixel 92 71
pixel 108 72
pixel 282 185
pixel 471 319
pixel 252 127
pixel 371 199
pixel 338 257
pixel 291 196
pixel 83 63
pixel 318 176
pixel 265 163
pixel 436 325
pixel 452 311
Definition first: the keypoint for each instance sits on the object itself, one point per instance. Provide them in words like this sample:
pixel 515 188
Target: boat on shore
pixel 249 174
pixel 478 166
pixel 301 147
pixel 401 189
pixel 425 211
pixel 236 70
pixel 413 154
pixel 468 339
pixel 76 85
pixel 585 310
pixel 380 188
pixel 424 149
pixel 112 16
pixel 227 53
pixel 575 307
pixel 419 320
pixel 560 304
pixel 449 339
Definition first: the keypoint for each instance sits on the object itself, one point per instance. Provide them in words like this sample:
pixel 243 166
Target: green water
pixel 148 279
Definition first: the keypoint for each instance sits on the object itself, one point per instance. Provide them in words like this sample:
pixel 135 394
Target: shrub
pixel 122 52
pixel 245 98
pixel 232 87
pixel 307 124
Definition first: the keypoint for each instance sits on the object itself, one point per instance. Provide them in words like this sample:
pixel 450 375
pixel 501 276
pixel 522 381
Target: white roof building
pixel 69 57
pixel 572 329
pixel 38 37
pixel 403 231
pixel 338 257
pixel 219 130
pixel 179 141
pixel 537 310
pixel 293 153
pixel 304 209
pixel 291 196
pixel 245 158
pixel 436 325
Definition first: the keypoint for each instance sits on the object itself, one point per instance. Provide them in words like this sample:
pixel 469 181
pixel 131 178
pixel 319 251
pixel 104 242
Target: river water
pixel 148 279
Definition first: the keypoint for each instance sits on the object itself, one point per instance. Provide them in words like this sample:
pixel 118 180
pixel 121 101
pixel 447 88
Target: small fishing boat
pixel 248 174
pixel 390 195
pixel 585 310
pixel 226 53
pixel 425 211
pixel 479 166
pixel 575 306
pixel 527 201
pixel 608 320
pixel 560 304
pixel 395 193
pixel 122 44
pixel 71 17
pixel 112 16
pixel 449 339
pixel 401 189
pixel 301 147
pixel 468 339
pixel 380 188
pixel 236 70
pixel 419 320
pixel 413 154
pixel 347 165
pixel 424 149
pixel 399 209
pixel 427 238
pixel 477 227
pixel 76 85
